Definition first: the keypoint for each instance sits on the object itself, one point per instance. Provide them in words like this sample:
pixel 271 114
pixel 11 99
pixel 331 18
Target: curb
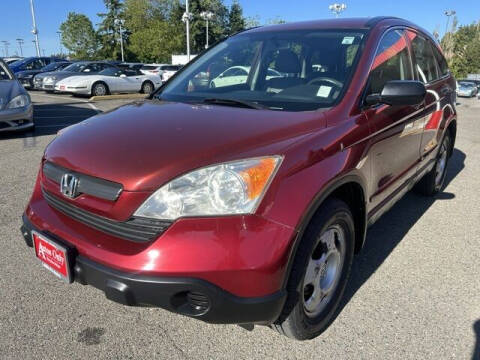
pixel 118 96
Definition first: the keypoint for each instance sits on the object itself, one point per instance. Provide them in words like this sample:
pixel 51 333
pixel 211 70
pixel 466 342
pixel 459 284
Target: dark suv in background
pixel 31 63
pixel 246 202
pixel 27 77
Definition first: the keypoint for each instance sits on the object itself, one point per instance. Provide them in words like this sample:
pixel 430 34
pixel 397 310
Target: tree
pixel 79 37
pixel 252 21
pixel 275 21
pixel 218 26
pixel 465 45
pixel 153 37
pixel 108 32
pixel 236 21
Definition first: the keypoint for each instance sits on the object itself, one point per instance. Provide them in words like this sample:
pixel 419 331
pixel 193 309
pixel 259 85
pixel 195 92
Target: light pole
pixel 119 23
pixel 20 43
pixel 187 16
pixel 5 44
pixel 337 8
pixel 206 15
pixel 35 30
pixel 60 41
pixel 448 14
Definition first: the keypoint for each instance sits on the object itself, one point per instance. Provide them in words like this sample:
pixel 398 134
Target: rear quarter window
pixel 441 61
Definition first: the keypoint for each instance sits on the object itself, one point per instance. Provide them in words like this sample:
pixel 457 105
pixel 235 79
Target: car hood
pixel 8 90
pixel 59 75
pixel 146 144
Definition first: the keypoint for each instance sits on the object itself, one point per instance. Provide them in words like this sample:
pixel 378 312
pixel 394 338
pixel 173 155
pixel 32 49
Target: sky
pixel 16 20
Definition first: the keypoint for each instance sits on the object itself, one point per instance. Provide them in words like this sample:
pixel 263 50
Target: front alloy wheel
pixel 323 270
pixel 99 90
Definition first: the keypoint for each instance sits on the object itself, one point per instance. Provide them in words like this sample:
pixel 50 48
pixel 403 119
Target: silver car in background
pixel 16 109
pixel 466 89
pixel 46 81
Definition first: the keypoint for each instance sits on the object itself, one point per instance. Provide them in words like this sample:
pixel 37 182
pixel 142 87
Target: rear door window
pixel 35 64
pixel 392 62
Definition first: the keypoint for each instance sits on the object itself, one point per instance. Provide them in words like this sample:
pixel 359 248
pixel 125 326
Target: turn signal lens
pixel 256 177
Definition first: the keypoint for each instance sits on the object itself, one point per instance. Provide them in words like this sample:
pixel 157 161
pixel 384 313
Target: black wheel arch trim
pixel 314 205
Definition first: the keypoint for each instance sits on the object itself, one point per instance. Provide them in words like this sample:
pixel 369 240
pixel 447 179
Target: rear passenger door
pixel 397 130
pixel 431 69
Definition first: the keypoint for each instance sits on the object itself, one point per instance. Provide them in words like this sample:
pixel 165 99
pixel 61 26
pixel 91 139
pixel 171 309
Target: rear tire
pixel 432 182
pixel 320 272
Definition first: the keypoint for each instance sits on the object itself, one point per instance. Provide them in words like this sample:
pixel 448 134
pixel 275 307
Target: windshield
pixel 52 66
pixel 281 70
pixel 76 67
pixel 466 84
pixel 19 62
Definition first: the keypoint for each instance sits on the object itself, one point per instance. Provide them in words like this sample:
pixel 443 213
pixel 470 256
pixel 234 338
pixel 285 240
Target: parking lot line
pixel 92 106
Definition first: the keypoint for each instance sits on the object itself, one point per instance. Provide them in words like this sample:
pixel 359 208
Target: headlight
pixel 224 189
pixel 18 101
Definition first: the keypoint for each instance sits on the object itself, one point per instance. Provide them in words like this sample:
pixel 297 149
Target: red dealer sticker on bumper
pixel 52 255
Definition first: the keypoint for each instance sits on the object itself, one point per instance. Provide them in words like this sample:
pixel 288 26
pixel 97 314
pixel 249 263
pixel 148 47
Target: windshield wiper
pixel 232 102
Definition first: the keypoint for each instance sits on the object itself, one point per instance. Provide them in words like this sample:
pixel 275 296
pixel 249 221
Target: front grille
pixel 90 185
pixel 134 229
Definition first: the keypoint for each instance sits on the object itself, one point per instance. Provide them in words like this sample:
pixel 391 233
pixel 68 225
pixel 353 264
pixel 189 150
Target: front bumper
pixel 16 119
pixel 26 82
pixel 84 90
pixel 184 295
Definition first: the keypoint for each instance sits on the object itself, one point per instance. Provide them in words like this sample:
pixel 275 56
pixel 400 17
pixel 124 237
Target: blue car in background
pixel 32 63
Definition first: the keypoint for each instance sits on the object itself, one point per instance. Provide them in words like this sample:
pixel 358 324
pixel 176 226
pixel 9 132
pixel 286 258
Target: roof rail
pixel 375 20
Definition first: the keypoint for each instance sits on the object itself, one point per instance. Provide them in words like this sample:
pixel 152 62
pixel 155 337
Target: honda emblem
pixel 69 185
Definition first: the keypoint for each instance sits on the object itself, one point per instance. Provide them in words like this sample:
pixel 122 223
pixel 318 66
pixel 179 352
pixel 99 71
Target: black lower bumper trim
pixel 188 296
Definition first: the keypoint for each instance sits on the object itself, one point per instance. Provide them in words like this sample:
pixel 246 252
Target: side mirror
pixel 86 70
pixel 399 92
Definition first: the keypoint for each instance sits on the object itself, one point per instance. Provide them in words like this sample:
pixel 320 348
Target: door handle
pixel 445 91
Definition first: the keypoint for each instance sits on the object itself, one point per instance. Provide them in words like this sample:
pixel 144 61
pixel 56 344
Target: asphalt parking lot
pixel 414 291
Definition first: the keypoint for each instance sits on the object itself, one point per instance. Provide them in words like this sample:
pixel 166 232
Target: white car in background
pixel 109 81
pixel 236 75
pixel 164 71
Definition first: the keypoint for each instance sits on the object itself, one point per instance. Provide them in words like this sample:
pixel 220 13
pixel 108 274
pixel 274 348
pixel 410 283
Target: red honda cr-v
pixel 241 190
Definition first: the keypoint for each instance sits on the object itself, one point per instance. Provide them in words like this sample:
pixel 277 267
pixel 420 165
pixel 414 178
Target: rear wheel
pixel 320 272
pixel 147 87
pixel 99 89
pixel 433 181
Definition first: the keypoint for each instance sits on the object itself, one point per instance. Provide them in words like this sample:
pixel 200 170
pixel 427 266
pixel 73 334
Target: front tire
pixel 320 272
pixel 99 89
pixel 147 88
pixel 432 183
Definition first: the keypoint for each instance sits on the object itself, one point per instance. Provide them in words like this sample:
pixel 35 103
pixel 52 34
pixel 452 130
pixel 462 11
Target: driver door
pixel 131 82
pixel 397 130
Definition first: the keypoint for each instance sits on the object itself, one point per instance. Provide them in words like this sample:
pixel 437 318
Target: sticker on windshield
pixel 348 40
pixel 324 91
